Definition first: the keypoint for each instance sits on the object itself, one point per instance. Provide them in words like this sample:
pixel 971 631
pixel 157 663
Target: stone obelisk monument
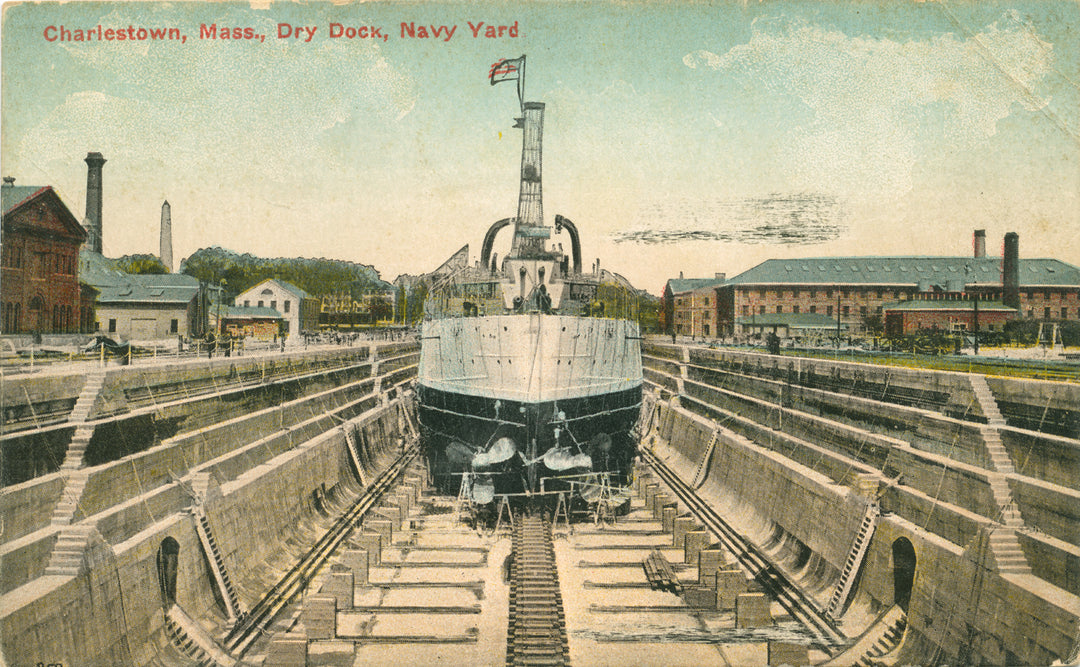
pixel 166 236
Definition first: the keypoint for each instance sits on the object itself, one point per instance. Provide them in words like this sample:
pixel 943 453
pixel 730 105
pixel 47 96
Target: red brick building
pixel 690 306
pixel 857 292
pixel 39 283
pixel 950 315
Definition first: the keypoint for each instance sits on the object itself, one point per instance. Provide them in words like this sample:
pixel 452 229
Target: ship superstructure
pixel 530 368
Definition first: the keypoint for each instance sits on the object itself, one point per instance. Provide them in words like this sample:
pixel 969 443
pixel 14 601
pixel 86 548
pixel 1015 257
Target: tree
pixel 872 324
pixel 316 276
pixel 141 264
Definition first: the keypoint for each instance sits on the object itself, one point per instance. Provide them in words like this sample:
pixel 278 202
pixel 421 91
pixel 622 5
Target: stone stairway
pixel 1008 555
pixel 87 397
pixel 886 644
pixel 200 484
pixel 72 467
pixel 217 564
pixel 67 554
pixel 186 636
pixel 986 399
pixel 64 512
pixel 855 558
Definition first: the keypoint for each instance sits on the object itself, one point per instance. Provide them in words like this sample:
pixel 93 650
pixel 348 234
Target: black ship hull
pixel 456 427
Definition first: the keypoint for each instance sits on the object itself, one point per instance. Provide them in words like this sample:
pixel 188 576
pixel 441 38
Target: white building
pixel 299 310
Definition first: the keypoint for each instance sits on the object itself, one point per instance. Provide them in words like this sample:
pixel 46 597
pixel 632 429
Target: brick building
pixel 39 275
pixel 689 306
pixel 908 317
pixel 860 289
pixel 859 292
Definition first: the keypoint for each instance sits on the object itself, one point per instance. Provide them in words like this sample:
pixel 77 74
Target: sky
pixel 693 137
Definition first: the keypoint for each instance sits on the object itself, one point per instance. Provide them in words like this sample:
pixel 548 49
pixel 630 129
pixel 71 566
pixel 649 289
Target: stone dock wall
pixel 273 473
pixel 796 463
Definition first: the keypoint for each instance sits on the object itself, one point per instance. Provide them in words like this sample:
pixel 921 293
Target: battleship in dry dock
pixel 530 369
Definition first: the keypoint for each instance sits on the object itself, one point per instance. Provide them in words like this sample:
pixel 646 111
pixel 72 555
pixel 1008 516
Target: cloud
pixel 773 219
pixel 879 104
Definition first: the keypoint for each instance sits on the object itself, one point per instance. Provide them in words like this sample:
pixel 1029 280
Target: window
pixel 273 304
pixel 247 303
pixel 813 310
pixel 829 311
pixel 174 326
pixel 112 326
pixel 795 294
pixel 261 302
pixel 1064 313
pixel 745 310
pixel 828 294
pixel 813 294
pixel 862 311
pixel 762 310
pixel 795 309
pixel 286 305
pixel 1046 313
pixel 761 293
pixel 706 329
pixel 706 303
pixel 847 311
pixel 779 309
pixel 843 294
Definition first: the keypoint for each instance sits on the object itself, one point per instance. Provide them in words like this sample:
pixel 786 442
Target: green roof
pixel 947 304
pixel 791 320
pixel 909 271
pixel 680 285
pixel 115 286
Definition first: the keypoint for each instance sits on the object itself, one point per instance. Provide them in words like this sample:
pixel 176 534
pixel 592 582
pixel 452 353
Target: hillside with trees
pixel 316 276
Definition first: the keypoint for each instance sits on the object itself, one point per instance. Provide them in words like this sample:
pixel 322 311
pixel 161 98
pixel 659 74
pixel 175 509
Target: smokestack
pixel 94 163
pixel 1010 271
pixel 980 243
pixel 166 236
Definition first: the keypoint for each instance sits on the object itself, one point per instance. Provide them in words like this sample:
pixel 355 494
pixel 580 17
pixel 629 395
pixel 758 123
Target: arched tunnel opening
pixel 167 558
pixel 903 553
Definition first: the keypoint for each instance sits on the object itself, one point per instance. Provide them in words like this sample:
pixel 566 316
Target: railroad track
pixel 536 633
pixel 249 627
pixel 776 584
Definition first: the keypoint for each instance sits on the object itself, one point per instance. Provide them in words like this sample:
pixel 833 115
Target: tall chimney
pixel 1010 271
pixel 165 252
pixel 94 163
pixel 980 243
pixel 529 229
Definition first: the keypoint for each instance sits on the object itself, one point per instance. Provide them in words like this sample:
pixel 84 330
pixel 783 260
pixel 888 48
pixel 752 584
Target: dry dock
pixel 272 510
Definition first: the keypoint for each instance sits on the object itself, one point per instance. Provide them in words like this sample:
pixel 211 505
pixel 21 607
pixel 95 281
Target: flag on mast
pixel 507 69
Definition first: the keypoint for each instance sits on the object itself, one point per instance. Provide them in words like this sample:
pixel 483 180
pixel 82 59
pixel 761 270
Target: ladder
pixel 703 464
pixel 854 560
pixel 217 565
pixel 350 445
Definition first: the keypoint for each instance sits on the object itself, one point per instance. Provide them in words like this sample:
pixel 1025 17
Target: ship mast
pixel 530 233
